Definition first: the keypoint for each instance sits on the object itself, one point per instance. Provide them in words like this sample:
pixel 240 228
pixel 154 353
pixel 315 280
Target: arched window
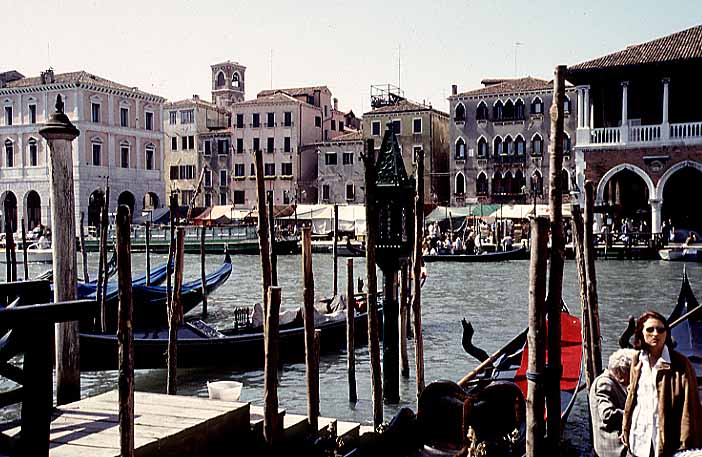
pixel 9 153
pixel 497 188
pixel 498 147
pixel 482 147
pixel 566 104
pixel 508 111
pixel 519 146
pixel 508 183
pixel 481 114
pixel 460 149
pixel 497 110
pixel 33 153
pixel 481 184
pixel 149 156
pixel 124 154
pixel 508 146
pixel 537 183
pixel 460 184
pixel 537 145
pixel 566 143
pixel 519 182
pixel 565 180
pixel 460 113
pixel 537 106
pixel 220 80
pixel 236 79
pixel 519 109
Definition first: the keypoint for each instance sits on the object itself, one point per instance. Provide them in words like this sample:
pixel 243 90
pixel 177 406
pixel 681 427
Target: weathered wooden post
pixel 555 283
pixel 8 243
pixel 271 419
pixel 372 287
pixel 173 209
pixel 263 242
pixel 593 302
pixel 24 252
pixel 203 276
pixel 335 252
pixel 59 133
pixel 350 329
pixel 86 276
pixel 308 317
pixel 536 338
pixel 404 317
pixel 175 315
pixel 104 228
pixel 578 237
pixel 125 334
pixel 271 227
pixel 147 246
pixel 417 272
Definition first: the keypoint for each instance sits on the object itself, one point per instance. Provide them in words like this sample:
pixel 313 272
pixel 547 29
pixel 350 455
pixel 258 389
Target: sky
pixel 166 47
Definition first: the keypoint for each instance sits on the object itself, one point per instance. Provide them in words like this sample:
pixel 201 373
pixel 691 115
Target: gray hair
pixel 620 362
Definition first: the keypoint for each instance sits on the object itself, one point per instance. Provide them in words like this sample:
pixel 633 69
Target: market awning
pixel 524 211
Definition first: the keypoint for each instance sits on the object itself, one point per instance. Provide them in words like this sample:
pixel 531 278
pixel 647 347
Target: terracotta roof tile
pixel 404 106
pixel 277 97
pixel 295 91
pixel 683 45
pixel 508 86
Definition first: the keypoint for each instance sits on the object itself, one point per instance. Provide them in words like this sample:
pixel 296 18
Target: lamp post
pixel 394 203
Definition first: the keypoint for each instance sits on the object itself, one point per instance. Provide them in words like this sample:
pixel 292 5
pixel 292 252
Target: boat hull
pixel 516 254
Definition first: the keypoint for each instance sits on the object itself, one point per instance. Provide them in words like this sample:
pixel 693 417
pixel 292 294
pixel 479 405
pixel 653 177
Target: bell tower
pixel 228 83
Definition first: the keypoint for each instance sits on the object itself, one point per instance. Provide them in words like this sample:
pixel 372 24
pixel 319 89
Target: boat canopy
pixel 524 211
pixel 352 218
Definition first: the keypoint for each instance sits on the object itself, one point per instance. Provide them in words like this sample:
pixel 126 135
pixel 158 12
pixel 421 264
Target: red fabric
pixel 571 355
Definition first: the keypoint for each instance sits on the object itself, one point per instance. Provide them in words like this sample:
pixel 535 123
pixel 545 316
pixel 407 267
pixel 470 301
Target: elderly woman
pixel 607 399
pixel 662 414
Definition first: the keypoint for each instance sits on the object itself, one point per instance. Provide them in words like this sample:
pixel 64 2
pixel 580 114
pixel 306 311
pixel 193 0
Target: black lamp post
pixel 394 203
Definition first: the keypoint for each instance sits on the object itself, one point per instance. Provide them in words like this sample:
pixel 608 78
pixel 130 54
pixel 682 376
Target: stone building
pixel 228 83
pixel 120 137
pixel 186 126
pixel 417 126
pixel 340 170
pixel 500 137
pixel 639 138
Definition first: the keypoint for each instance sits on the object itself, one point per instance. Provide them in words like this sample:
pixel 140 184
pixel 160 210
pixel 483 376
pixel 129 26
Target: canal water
pixel 493 296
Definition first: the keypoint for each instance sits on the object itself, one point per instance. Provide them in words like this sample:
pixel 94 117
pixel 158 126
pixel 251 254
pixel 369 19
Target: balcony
pixel 507 159
pixel 641 135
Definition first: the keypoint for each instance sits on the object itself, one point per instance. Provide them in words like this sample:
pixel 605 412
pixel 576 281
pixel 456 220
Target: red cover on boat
pixel 571 355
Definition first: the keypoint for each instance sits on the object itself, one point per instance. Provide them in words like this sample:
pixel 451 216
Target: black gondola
pixel 515 254
pixel 687 333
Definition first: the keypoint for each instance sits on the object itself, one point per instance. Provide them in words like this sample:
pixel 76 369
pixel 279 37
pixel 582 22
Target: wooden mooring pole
pixel 417 273
pixel 203 276
pixel 175 313
pixel 104 229
pixel 8 246
pixel 404 317
pixel 147 244
pixel 391 338
pixel 173 208
pixel 578 240
pixel 84 255
pixel 350 330
pixel 24 251
pixel 372 284
pixel 555 284
pixel 335 251
pixel 536 338
pixel 593 302
pixel 308 318
pixel 271 235
pixel 263 241
pixel 271 419
pixel 125 334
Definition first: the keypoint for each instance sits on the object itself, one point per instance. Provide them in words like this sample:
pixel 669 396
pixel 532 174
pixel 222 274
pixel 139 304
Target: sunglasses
pixel 658 330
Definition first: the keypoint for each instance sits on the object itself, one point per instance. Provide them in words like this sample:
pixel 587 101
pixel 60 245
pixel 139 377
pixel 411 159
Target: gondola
pixel 156 276
pixel 201 346
pixel 515 254
pixel 687 333
pixel 48 275
pixel 486 412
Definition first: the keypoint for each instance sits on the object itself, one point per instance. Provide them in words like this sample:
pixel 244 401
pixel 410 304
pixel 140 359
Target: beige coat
pixel 679 409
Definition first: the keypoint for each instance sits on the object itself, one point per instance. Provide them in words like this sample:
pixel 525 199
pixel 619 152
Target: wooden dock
pixel 173 425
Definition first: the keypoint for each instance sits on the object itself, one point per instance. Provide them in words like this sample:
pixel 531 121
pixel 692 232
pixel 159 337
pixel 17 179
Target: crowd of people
pixel 470 239
pixel 646 403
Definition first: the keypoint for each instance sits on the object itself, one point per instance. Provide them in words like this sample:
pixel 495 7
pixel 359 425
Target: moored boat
pixel 687 332
pixel 515 254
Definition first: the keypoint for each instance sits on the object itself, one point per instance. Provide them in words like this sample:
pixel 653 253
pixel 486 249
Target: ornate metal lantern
pixel 394 201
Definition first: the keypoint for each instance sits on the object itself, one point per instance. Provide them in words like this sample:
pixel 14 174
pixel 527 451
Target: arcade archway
pixel 32 204
pixel 127 198
pixel 9 210
pixel 95 204
pixel 626 196
pixel 150 201
pixel 679 199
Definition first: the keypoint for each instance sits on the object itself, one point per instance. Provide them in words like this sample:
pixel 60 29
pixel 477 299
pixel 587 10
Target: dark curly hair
pixel 639 342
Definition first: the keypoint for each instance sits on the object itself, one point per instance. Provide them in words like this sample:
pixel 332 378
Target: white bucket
pixel 224 390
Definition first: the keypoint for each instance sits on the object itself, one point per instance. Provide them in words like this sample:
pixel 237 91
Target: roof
pixel 188 102
pixel 404 106
pixel 276 97
pixel 508 86
pixel 295 91
pixel 684 45
pixel 77 77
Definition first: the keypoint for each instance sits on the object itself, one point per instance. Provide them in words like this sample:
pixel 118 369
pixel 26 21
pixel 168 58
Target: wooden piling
pixel 203 276
pixel 578 240
pixel 8 249
pixel 263 241
pixel 101 321
pixel 271 419
pixel 104 229
pixel 173 207
pixel 350 329
pixel 175 315
pixel 404 317
pixel 147 244
pixel 536 338
pixel 308 318
pixel 24 252
pixel 391 338
pixel 335 251
pixel 593 301
pixel 417 273
pixel 84 255
pixel 372 284
pixel 274 257
pixel 555 284
pixel 125 334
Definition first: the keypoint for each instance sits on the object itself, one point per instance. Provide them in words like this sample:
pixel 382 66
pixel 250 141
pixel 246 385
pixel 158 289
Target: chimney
pixel 454 89
pixel 47 77
pixel 196 97
pixel 336 104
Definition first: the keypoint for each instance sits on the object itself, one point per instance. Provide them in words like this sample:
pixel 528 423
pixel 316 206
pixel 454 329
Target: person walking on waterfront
pixel 662 414
pixel 607 399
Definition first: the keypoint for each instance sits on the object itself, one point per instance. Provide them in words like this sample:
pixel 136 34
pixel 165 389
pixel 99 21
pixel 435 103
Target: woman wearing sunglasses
pixel 662 414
